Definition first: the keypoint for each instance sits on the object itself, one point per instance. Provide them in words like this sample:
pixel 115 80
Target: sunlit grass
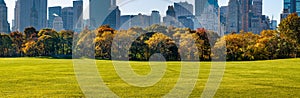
pixel 35 77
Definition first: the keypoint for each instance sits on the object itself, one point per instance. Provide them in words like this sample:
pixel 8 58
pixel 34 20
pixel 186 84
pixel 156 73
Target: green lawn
pixel 35 77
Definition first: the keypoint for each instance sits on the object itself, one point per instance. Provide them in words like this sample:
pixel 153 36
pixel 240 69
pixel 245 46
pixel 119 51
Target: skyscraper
pixel 183 9
pixel 273 25
pixel 140 20
pixel 113 3
pixel 297 6
pixel 125 21
pixel 170 19
pixel 77 15
pixel 4 25
pixel 186 22
pixel 171 11
pixel 58 24
pixel 113 18
pixel 256 19
pixel 67 17
pixel 233 16
pixel 290 6
pixel 257 7
pixel 41 8
pixel 223 14
pixel 200 5
pixel 30 13
pixel 52 13
pixel 207 14
pixel 155 17
pixel 246 6
pixel 99 10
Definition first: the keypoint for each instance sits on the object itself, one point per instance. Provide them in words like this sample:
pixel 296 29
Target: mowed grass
pixel 36 77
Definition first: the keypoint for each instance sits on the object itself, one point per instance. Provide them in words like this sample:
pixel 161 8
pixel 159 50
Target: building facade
pixel 155 17
pixel 223 14
pixel 113 19
pixel 67 17
pixel 4 25
pixel 257 7
pixel 246 6
pixel 52 13
pixel 256 19
pixel 186 22
pixel 30 13
pixel 233 17
pixel 77 15
pixel 140 20
pixel 99 10
pixel 125 21
pixel 290 6
pixel 170 19
pixel 183 9
pixel 58 24
pixel 200 5
pixel 273 25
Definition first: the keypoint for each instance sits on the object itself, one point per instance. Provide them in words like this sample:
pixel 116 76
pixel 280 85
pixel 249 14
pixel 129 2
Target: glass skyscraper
pixel 200 5
pixel 52 13
pixel 4 25
pixel 291 6
pixel 30 13
pixel 297 6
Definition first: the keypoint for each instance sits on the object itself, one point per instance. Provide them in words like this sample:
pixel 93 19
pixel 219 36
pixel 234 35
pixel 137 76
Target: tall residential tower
pixel 290 6
pixel 30 13
pixel 233 16
pixel 4 25
pixel 99 10
pixel 77 15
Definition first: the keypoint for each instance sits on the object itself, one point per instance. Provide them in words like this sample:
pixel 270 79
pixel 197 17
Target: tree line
pixel 140 43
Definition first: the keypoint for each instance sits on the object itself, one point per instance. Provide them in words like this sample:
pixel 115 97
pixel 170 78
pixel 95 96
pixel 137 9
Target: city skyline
pixel 269 8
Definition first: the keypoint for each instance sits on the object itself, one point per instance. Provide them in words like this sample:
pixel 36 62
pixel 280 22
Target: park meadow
pixel 40 77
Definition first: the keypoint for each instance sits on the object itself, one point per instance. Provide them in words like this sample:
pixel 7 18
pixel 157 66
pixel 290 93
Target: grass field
pixel 35 77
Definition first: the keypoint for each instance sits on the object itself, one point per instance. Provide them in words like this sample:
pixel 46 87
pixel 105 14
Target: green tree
pixel 6 45
pixel 65 42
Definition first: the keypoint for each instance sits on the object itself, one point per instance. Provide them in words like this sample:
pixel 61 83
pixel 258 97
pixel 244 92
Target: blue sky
pixel 270 7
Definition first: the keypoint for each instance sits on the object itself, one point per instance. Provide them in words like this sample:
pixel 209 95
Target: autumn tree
pixel 290 28
pixel 30 48
pixel 84 44
pixel 103 41
pixel 238 46
pixel 47 43
pixel 30 33
pixel 18 40
pixel 271 45
pixel 160 43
